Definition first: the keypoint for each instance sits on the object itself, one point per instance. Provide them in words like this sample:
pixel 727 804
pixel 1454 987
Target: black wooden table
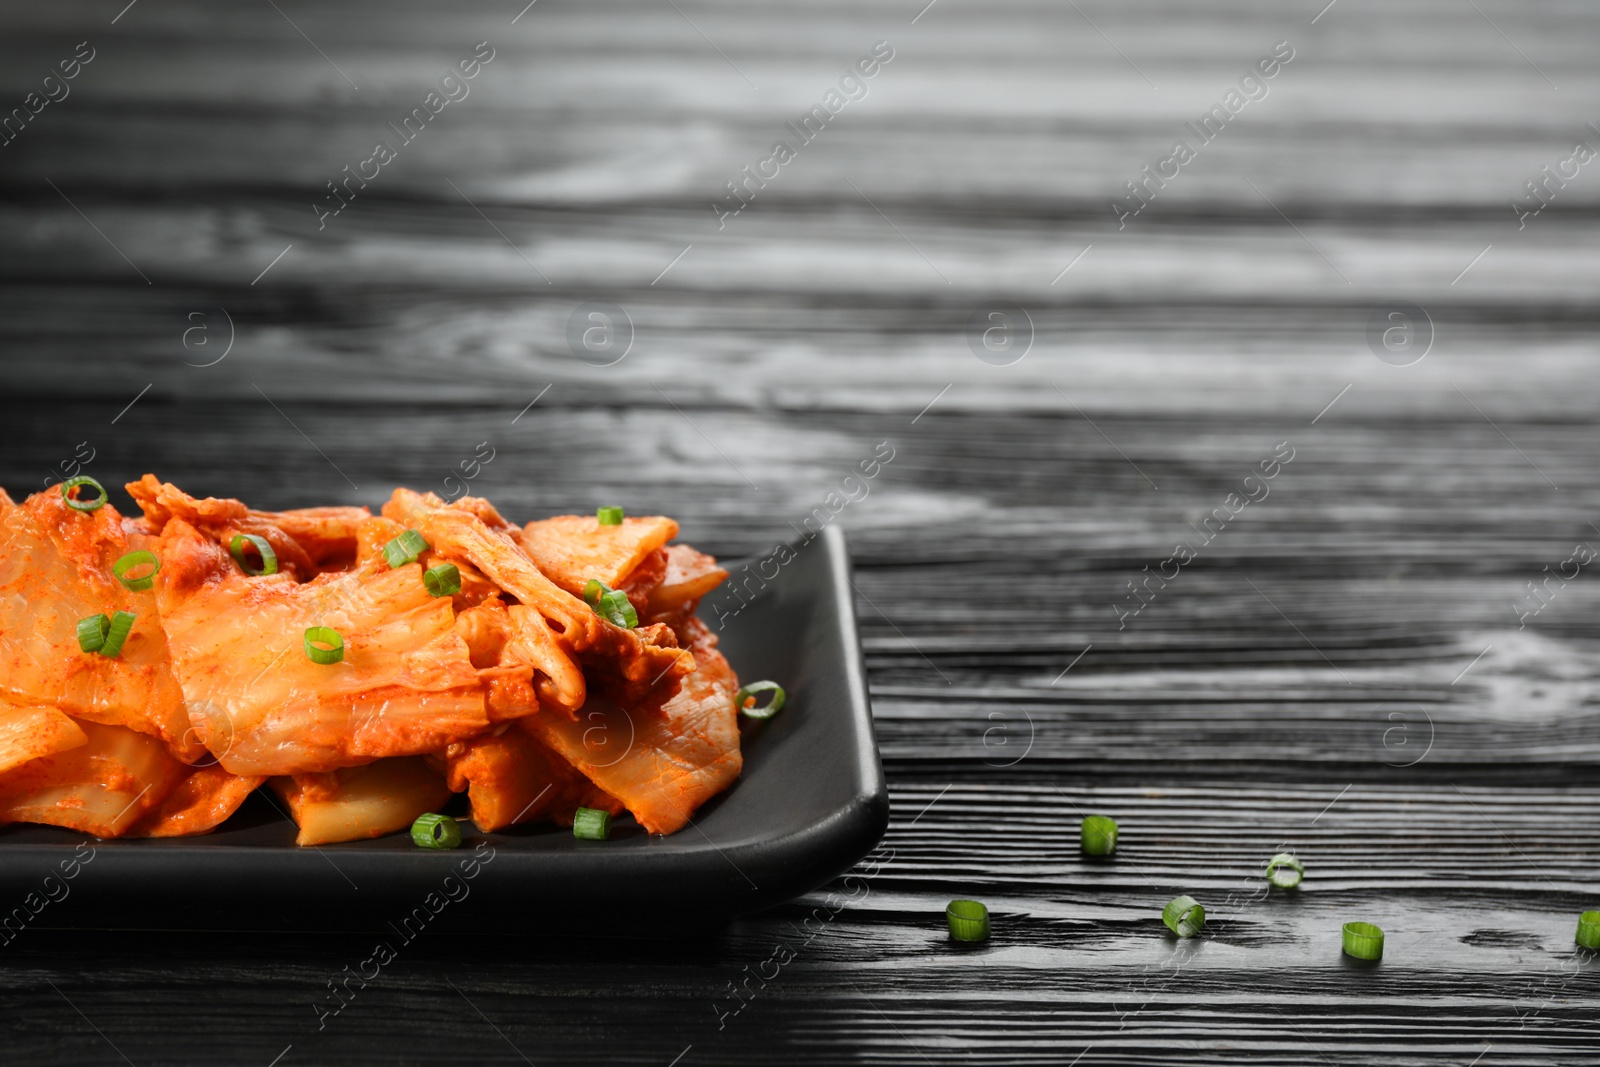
pixel 1382 656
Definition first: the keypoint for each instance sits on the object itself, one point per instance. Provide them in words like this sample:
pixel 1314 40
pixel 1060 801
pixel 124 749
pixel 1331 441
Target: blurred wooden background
pixel 1343 670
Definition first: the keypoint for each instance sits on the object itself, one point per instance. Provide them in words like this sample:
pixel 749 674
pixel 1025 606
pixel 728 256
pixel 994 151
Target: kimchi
pixel 358 670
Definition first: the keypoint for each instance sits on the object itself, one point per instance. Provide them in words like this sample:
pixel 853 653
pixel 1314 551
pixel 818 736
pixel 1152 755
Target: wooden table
pixel 1353 665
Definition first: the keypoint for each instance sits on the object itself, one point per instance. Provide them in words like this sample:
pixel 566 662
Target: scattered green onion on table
pixel 1285 870
pixel 1184 916
pixel 1588 934
pixel 1098 835
pixel 1363 941
pixel 968 920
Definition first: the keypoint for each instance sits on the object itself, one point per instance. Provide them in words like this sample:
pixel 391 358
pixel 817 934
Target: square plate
pixel 810 803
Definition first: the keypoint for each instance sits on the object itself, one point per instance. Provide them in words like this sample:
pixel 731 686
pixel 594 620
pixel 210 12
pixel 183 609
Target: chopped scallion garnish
pixel 968 920
pixel 1285 870
pixel 1589 930
pixel 443 580
pixel 121 626
pixel 1184 916
pixel 744 700
pixel 269 558
pixel 436 831
pixel 610 604
pixel 77 503
pixel 1098 835
pixel 591 824
pixel 92 632
pixel 136 559
pixel 609 516
pixel 1363 941
pixel 405 549
pixel 324 645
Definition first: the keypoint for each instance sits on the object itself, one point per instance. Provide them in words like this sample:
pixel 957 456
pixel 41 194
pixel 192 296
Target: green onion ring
pixel 1285 870
pixel 269 558
pixel 968 920
pixel 1098 835
pixel 116 634
pixel 619 610
pixel 136 559
pixel 436 831
pixel 591 824
pixel 1184 916
pixel 749 692
pixel 1589 930
pixel 83 505
pixel 324 635
pixel 92 632
pixel 610 604
pixel 608 516
pixel 443 580
pixel 1363 941
pixel 405 549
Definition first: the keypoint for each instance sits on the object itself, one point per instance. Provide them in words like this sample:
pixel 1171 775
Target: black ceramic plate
pixel 810 803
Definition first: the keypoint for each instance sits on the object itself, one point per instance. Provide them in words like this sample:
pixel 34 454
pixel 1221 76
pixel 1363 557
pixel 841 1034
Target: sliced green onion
pixel 1098 835
pixel 747 695
pixel 443 580
pixel 78 504
pixel 121 626
pixel 1363 941
pixel 608 516
pixel 92 632
pixel 269 558
pixel 610 604
pixel 1184 916
pixel 318 636
pixel 436 831
pixel 136 559
pixel 591 824
pixel 620 610
pixel 968 920
pixel 1285 870
pixel 405 549
pixel 1589 930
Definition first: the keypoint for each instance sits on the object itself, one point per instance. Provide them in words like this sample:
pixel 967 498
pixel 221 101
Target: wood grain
pixel 1345 669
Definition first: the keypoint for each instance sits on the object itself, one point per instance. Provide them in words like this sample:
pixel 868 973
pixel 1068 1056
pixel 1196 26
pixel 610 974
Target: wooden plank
pixel 1215 365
